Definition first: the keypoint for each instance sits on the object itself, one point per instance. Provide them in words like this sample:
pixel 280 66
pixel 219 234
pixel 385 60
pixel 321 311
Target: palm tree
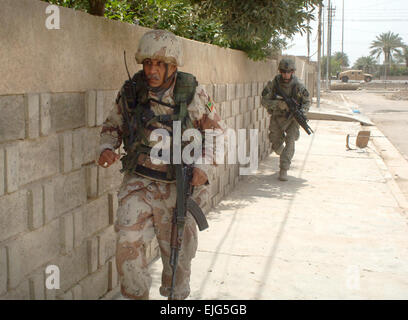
pixel 367 64
pixel 386 43
pixel 403 56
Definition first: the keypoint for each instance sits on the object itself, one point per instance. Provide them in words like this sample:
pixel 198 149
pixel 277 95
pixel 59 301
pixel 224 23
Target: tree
pixel 258 27
pixel 342 58
pixel 403 56
pixel 387 44
pixel 367 64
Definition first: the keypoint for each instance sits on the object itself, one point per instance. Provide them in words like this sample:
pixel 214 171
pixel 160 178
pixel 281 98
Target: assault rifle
pixel 184 175
pixel 295 109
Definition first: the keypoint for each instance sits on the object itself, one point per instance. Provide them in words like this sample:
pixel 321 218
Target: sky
pixel 363 21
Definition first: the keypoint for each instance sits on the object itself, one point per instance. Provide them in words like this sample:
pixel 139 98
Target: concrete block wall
pixel 56 206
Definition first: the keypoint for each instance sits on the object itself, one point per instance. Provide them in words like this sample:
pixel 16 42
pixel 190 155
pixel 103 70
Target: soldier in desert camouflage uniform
pixel 147 196
pixel 283 129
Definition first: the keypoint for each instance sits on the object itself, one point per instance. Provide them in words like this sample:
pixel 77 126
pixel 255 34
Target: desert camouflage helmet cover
pixel 287 64
pixel 162 45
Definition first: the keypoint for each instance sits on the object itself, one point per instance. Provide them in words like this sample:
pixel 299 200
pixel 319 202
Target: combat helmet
pixel 162 45
pixel 287 64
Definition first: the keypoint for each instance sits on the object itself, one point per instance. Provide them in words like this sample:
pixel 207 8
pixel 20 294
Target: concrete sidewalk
pixel 336 230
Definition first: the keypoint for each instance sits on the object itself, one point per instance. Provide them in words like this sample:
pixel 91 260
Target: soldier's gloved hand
pixel 199 177
pixel 107 157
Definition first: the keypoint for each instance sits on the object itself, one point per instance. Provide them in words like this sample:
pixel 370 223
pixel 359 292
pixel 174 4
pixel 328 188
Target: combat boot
pixel 283 175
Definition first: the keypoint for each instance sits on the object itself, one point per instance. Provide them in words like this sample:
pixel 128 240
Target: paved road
pixel 390 116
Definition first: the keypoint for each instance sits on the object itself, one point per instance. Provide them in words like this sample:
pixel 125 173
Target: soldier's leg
pixel 292 134
pixel 134 227
pixel 163 215
pixel 276 135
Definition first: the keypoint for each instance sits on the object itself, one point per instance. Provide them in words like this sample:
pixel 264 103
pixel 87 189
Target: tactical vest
pixel 137 115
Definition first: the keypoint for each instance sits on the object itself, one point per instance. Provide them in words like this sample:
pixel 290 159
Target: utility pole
pixel 330 11
pixel 323 21
pixel 319 47
pixel 308 41
pixel 328 46
pixel 342 37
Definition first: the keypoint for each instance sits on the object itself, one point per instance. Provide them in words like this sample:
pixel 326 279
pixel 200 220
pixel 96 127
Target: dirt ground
pixel 399 95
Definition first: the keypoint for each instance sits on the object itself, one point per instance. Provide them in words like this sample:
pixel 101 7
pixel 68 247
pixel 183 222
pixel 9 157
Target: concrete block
pixel 14 214
pixel 251 103
pixel 37 286
pixel 38 159
pixel 65 141
pixel 45 114
pixel 67 111
pixel 254 89
pixel 91 138
pixel 77 148
pixel 235 107
pixel 67 233
pixel 92 245
pixel 12 120
pixel 36 211
pixel 92 181
pixel 79 233
pixel 77 292
pixel 66 296
pixel 257 102
pixel 227 106
pixel 261 86
pixel 231 88
pixel 100 101
pixel 247 119
pixel 107 245
pixel 248 89
pixel 73 266
pixel 260 114
pixel 30 250
pixel 243 105
pixel 32 113
pixel 50 294
pixel 2 172
pixel 3 270
pixel 70 191
pixel 21 292
pixel 49 201
pixel 12 168
pixel 90 108
pixel 254 116
pixel 113 207
pixel 240 93
pixel 239 122
pixel 220 92
pixel 109 99
pixel 113 279
pixel 96 216
pixel 95 285
pixel 209 88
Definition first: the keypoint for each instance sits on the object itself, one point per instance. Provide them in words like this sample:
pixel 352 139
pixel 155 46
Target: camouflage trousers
pixel 277 137
pixel 145 211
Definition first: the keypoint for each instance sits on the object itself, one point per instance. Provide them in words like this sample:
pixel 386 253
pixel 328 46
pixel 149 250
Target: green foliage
pixel 387 43
pixel 257 27
pixel 367 64
pixel 337 63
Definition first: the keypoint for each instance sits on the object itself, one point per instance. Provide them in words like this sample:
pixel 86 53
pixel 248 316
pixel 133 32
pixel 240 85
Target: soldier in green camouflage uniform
pixel 147 196
pixel 283 129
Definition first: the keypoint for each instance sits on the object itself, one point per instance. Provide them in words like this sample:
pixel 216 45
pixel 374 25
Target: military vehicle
pixel 347 75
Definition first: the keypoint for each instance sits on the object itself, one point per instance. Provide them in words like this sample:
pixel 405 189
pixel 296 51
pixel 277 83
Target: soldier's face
pixel 286 75
pixel 155 70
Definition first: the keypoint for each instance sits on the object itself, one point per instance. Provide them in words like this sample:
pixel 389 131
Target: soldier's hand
pixel 199 177
pixel 107 157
